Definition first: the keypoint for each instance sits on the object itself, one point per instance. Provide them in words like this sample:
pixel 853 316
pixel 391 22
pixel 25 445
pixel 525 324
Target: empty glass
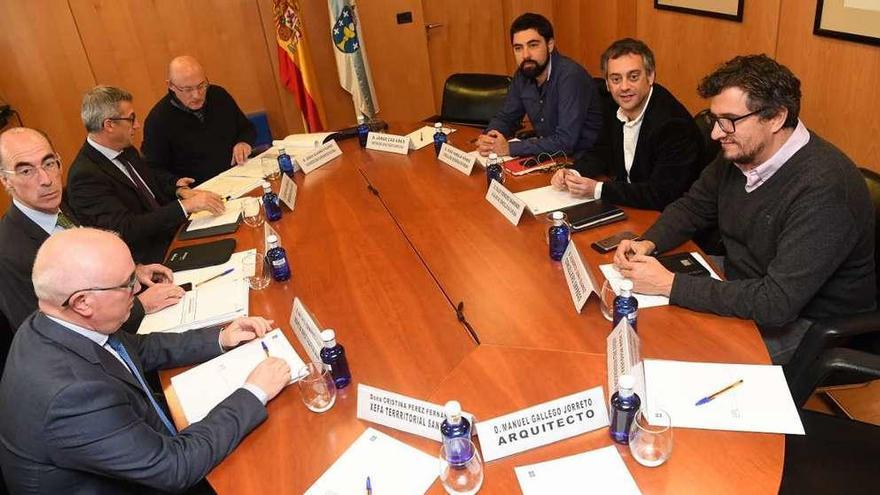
pixel 650 442
pixel 252 213
pixel 460 477
pixel 606 300
pixel 270 168
pixel 316 387
pixel 255 270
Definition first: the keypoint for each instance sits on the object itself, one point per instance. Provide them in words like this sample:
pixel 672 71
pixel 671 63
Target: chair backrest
pixel 264 132
pixel 473 99
pixel 710 146
pixel 872 180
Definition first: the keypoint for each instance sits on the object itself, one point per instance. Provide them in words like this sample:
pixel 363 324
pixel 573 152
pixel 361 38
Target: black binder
pixel 228 228
pixel 200 255
pixel 593 214
pixel 683 263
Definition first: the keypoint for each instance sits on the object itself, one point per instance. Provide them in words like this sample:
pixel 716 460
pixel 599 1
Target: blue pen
pixel 265 348
pixel 227 272
pixel 369 487
pixel 710 398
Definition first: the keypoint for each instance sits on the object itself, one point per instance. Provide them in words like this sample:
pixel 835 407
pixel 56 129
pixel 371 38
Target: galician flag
pixel 294 62
pixel 351 59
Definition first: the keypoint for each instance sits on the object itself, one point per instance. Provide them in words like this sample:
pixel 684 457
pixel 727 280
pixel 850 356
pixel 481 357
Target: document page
pixel 761 402
pixel 546 199
pixel 200 389
pixel 597 471
pixel 394 468
pixel 217 301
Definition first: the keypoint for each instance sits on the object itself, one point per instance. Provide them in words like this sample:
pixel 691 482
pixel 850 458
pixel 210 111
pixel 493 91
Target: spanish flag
pixel 294 62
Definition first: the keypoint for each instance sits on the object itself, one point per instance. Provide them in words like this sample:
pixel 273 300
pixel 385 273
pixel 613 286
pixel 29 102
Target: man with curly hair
pixel 794 214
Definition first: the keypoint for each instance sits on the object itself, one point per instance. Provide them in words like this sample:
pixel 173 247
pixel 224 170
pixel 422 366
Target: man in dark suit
pixel 77 415
pixel 30 170
pixel 109 186
pixel 653 147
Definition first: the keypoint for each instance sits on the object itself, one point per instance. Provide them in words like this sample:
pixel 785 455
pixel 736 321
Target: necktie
pixel 145 193
pixel 64 221
pixel 116 344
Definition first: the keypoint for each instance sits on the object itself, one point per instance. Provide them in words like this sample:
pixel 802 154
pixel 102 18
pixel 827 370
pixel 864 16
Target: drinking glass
pixel 255 270
pixel 651 442
pixel 459 475
pixel 316 387
pixel 270 168
pixel 252 213
pixel 606 300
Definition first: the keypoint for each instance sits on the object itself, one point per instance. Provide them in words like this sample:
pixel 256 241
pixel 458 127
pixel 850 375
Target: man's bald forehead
pixel 16 135
pixel 183 64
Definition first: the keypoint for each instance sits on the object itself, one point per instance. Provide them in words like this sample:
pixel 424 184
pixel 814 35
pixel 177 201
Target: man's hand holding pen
pixel 632 259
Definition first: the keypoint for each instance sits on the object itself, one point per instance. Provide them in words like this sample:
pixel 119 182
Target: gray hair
pixel 101 103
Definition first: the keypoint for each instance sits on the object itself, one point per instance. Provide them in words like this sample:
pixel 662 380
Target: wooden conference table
pixel 385 247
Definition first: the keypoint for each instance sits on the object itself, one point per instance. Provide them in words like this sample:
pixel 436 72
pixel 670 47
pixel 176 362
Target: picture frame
pixel 850 20
pixel 730 10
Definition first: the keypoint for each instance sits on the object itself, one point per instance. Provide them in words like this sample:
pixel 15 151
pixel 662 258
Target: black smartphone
pixel 610 243
pixel 187 286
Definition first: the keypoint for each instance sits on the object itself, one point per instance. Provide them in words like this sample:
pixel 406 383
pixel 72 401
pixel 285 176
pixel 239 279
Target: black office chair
pixel 472 99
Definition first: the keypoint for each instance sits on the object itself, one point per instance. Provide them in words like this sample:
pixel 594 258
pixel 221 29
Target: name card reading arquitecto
pixel 578 277
pixel 267 231
pixel 388 142
pixel 543 424
pixel 307 330
pixel 623 351
pixel 401 412
pixel 287 194
pixel 457 159
pixel 320 156
pixel 506 202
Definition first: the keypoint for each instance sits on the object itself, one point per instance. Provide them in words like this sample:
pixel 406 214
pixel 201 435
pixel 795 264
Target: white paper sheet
pixel 204 220
pixel 543 199
pixel 648 301
pixel 311 140
pixel 394 468
pixel 597 471
pixel 762 403
pixel 229 185
pixel 235 262
pixel 483 160
pixel 215 302
pixel 200 389
pixel 424 136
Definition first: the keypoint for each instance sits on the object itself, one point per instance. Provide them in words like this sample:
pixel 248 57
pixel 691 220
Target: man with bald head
pixel 30 170
pixel 77 414
pixel 196 130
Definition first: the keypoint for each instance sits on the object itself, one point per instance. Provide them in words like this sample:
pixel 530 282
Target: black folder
pixel 200 255
pixel 683 263
pixel 228 228
pixel 593 214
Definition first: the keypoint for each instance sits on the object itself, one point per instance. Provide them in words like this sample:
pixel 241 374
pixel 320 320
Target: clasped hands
pixel 632 259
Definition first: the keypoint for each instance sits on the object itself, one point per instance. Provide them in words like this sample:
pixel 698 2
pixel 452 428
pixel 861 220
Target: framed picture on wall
pixel 852 20
pixel 732 10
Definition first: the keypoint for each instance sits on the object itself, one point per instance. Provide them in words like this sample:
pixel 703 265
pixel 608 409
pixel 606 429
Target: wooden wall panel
pixel 584 29
pixel 839 84
pixel 44 71
pixel 687 47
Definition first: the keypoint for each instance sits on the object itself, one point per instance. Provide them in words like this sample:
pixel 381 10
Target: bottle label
pixel 279 263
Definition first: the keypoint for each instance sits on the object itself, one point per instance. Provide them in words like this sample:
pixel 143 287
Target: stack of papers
pixel 546 199
pixel 200 389
pixel 597 471
pixel 647 301
pixel 307 141
pixel 761 403
pixel 393 467
pixel 204 220
pixel 215 302
pixel 230 184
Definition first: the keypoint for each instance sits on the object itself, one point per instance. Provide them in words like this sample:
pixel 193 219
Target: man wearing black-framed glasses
pixel 794 214
pixel 197 129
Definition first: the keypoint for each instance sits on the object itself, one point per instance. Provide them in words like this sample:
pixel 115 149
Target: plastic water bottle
pixel 626 305
pixel 440 137
pixel 558 235
pixel 455 426
pixel 333 354
pixel 624 405
pixel 494 170
pixel 363 130
pixel 277 258
pixel 271 203
pixel 285 163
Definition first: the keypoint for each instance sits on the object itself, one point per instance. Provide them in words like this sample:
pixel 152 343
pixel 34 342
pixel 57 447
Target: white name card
pixel 267 231
pixel 505 201
pixel 401 412
pixel 287 194
pixel 543 424
pixel 388 142
pixel 457 159
pixel 578 277
pixel 624 356
pixel 306 330
pixel 320 156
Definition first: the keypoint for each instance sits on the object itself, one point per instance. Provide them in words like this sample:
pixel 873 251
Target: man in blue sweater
pixel 794 214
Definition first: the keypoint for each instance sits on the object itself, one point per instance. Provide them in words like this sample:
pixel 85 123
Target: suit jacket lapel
pixel 108 167
pixel 26 225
